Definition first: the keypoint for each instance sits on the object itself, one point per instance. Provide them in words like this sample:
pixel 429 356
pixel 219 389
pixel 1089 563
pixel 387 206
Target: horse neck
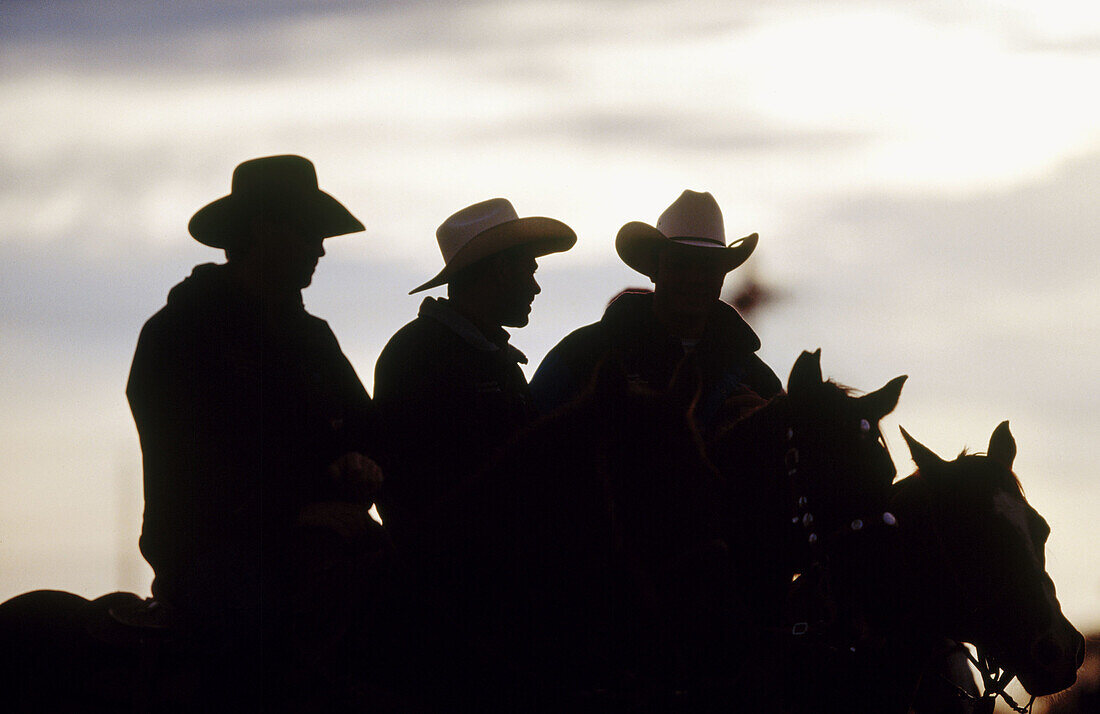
pixel 890 570
pixel 749 455
pixel 886 598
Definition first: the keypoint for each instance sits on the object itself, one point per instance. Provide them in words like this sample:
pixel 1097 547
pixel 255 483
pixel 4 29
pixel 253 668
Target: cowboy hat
pixel 693 221
pixel 490 227
pixel 287 184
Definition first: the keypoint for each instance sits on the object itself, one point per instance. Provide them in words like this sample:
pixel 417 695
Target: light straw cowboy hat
pixel 693 221
pixel 283 184
pixel 490 227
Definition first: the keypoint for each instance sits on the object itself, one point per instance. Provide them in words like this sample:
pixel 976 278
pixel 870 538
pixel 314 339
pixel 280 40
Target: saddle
pixel 147 614
pixel 127 621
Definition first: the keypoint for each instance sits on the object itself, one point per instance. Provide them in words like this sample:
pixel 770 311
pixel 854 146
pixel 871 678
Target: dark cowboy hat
pixel 286 185
pixel 694 222
pixel 490 227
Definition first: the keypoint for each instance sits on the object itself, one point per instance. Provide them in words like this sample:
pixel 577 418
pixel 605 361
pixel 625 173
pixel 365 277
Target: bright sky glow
pixel 923 177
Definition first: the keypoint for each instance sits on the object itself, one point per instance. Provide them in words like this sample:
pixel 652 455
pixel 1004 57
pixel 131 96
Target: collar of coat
pixel 630 315
pixel 213 288
pixel 440 310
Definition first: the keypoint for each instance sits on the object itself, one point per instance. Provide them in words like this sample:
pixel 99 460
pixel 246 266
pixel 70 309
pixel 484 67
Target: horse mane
pixel 842 388
pixel 1008 480
pixel 765 416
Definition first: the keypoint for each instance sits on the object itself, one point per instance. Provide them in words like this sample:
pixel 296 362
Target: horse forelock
pixel 993 473
pixel 842 389
pixel 976 473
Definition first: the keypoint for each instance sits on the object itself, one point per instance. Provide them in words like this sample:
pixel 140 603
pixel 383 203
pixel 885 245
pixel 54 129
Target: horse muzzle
pixel 1054 658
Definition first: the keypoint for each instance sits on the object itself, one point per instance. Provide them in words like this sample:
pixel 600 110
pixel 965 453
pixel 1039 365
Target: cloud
pixel 989 300
pixel 922 178
pixel 122 123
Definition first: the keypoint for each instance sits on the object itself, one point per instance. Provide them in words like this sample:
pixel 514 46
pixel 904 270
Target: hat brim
pixel 640 245
pixel 220 222
pixel 543 235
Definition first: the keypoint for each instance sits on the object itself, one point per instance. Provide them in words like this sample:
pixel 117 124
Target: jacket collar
pixel 214 286
pixel 632 312
pixel 440 310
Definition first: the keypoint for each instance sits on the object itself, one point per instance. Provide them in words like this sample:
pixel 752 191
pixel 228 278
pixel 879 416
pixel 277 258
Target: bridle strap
pixel 994 681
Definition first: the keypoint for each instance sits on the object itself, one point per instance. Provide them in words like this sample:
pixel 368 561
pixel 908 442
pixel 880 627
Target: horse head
pixel 836 458
pixel 983 562
pixel 802 472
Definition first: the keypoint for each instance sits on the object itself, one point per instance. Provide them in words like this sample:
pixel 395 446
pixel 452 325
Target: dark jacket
pixel 240 407
pixel 448 397
pixel 725 356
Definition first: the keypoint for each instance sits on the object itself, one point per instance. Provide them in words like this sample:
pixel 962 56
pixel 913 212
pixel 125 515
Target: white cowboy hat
pixel 694 221
pixel 490 227
pixel 285 183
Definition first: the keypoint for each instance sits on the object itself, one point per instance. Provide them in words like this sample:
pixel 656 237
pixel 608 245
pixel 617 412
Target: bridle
pixel 818 542
pixel 995 678
pixel 824 544
pixel 994 681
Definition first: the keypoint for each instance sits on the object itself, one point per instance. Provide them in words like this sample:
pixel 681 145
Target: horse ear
pixel 1002 445
pixel 806 372
pixel 880 403
pixel 686 384
pixel 925 459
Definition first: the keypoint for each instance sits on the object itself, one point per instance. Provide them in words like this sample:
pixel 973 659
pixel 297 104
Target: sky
pixel 923 177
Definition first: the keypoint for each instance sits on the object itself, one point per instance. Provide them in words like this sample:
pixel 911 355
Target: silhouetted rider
pixel 686 257
pixel 251 419
pixel 448 385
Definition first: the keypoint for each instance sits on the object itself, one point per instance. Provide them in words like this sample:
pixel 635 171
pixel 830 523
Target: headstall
pixel 819 542
pixel 994 677
pixel 805 517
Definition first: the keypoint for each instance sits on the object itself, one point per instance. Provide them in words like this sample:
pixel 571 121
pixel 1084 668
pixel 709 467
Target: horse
pixel 956 555
pixel 975 561
pixel 67 653
pixel 659 557
pixel 122 653
pixel 817 433
pixel 856 570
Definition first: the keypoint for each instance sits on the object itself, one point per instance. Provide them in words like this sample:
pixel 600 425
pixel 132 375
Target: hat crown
pixel 694 216
pixel 460 228
pixel 279 175
pixel 285 185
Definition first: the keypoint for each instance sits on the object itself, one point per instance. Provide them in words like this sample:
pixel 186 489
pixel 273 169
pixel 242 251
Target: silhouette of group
pixel 652 524
pixel 262 450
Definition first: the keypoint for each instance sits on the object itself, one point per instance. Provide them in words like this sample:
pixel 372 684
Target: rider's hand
pixel 358 477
